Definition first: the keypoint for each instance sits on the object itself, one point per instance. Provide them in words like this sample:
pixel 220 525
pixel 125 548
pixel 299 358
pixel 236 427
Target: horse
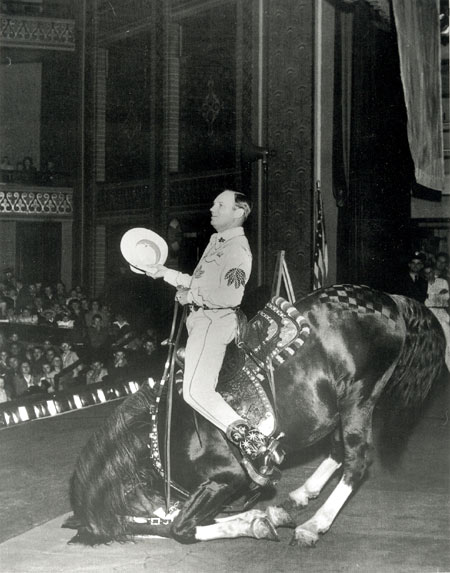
pixel 352 346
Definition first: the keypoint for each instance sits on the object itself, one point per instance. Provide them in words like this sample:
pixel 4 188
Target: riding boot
pixel 260 453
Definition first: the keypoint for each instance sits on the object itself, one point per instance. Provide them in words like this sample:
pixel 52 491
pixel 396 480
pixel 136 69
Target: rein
pixel 169 376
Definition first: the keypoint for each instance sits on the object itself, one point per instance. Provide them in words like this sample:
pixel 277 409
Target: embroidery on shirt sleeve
pixel 235 277
pixel 199 272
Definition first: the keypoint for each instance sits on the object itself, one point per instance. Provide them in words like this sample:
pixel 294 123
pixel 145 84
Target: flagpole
pixel 317 98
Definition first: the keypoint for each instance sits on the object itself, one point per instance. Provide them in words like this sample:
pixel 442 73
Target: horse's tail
pixel 419 365
pixel 112 463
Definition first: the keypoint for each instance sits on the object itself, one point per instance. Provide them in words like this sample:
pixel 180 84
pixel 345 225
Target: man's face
pixel 224 214
pixel 37 353
pixel 25 367
pixel 416 266
pixel 441 264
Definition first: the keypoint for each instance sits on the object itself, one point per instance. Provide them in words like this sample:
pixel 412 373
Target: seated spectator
pixel 120 369
pixel 47 377
pixel 9 279
pixel 5 164
pixel 5 394
pixel 24 382
pixel 94 309
pixel 98 337
pixel 16 351
pixel 47 317
pixel 79 323
pixel 3 341
pixel 38 290
pixel 4 367
pixel 73 296
pixel 120 328
pixel 70 360
pixel 441 269
pixel 6 169
pixel 29 172
pixel 97 372
pixel 49 354
pixel 37 360
pixel 151 360
pixel 63 319
pixel 60 294
pixel 56 373
pixel 24 297
pixel 48 174
pixel 48 297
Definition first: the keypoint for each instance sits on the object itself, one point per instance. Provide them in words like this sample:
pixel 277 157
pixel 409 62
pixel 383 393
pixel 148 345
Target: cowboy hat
pixel 142 248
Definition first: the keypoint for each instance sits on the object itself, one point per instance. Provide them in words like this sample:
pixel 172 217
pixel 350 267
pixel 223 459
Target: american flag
pixel 320 247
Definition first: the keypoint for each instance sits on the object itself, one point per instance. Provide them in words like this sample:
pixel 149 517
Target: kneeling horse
pixel 334 354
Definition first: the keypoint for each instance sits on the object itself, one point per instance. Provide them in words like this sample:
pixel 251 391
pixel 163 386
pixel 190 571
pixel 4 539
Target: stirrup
pixel 260 453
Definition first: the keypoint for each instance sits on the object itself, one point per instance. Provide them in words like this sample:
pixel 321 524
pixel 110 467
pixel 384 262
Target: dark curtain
pixel 374 213
pixel 418 34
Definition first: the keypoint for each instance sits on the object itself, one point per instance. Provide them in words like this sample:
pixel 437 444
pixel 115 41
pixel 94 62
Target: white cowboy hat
pixel 142 248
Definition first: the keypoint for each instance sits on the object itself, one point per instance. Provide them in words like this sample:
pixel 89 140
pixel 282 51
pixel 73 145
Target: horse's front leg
pixel 203 505
pixel 280 516
pixel 254 523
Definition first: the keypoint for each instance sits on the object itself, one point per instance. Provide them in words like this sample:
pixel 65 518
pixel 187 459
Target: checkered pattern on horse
pixel 361 300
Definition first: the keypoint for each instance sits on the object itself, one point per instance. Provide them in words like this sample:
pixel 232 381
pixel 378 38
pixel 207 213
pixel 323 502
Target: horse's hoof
pixel 304 538
pixel 262 528
pixel 279 516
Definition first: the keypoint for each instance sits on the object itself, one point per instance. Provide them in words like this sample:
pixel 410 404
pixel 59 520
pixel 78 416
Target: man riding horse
pixel 214 293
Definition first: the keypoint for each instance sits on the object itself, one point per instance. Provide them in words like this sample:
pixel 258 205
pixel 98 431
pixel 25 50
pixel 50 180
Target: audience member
pixel 98 337
pixel 24 382
pixel 37 360
pixel 411 283
pixel 120 369
pixel 437 301
pixel 441 268
pixel 47 377
pixel 5 394
pixel 97 372
pixel 28 174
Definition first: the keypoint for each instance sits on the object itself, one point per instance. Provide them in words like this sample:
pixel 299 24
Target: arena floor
pixel 397 522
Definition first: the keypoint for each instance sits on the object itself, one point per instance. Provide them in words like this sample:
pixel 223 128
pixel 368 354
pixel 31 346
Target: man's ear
pixel 238 212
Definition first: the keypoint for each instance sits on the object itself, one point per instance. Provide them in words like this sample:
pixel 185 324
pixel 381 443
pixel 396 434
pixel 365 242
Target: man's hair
pixel 243 202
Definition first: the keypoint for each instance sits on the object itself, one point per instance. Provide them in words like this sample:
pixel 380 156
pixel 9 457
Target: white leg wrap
pixel 308 532
pixel 314 484
pixel 253 523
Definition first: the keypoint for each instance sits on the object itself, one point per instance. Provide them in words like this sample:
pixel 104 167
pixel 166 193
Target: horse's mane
pixel 113 463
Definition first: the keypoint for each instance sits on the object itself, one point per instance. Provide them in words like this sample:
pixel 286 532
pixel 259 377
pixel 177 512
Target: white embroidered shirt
pixel 221 274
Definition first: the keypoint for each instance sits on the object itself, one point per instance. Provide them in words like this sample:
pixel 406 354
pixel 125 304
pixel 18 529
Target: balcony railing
pixel 42 201
pixel 22 31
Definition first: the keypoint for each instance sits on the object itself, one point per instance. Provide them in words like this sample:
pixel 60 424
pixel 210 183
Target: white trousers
pixel 209 333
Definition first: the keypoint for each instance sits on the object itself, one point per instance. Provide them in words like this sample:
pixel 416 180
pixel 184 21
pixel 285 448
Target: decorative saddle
pixel 271 338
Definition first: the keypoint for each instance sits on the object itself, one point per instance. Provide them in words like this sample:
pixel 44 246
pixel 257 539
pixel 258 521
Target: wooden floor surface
pixel 396 522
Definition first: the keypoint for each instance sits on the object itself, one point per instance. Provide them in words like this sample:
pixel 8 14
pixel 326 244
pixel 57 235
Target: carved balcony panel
pixel 17 31
pixel 133 197
pixel 40 202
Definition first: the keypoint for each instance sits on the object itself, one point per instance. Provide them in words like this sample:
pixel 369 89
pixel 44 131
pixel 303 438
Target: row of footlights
pixel 16 412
